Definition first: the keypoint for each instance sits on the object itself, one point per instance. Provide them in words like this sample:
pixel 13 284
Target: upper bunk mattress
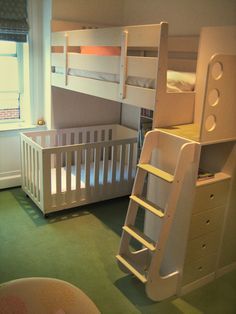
pixel 176 81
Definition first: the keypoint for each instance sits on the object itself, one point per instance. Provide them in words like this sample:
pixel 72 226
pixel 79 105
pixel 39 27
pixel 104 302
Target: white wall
pixel 93 11
pixel 71 109
pixel 184 17
pixel 9 159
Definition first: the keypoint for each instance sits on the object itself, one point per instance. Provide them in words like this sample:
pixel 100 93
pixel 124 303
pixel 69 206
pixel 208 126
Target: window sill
pixel 19 126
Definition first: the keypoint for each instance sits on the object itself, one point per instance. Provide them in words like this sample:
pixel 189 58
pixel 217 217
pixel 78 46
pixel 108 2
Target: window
pixel 14 81
pixel 14 61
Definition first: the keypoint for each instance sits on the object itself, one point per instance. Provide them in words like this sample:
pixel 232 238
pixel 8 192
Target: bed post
pixel 66 58
pixel 123 64
pixel 161 79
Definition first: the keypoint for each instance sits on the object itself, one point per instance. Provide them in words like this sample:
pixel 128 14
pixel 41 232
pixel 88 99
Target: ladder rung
pixel 140 237
pixel 148 205
pixel 157 172
pixel 134 269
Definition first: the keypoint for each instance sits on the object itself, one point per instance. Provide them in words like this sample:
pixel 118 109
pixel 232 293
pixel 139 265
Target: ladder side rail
pixel 188 155
pixel 150 141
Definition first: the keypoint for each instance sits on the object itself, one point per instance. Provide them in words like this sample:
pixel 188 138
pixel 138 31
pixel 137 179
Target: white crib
pixel 70 167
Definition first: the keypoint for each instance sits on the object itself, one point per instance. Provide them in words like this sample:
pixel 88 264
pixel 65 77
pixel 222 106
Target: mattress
pixel 82 176
pixel 176 81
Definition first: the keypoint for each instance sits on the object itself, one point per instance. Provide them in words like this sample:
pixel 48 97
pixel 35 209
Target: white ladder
pixel 146 262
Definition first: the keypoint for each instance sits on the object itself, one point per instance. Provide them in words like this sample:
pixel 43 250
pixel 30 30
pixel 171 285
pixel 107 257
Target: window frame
pixel 39 17
pixel 22 57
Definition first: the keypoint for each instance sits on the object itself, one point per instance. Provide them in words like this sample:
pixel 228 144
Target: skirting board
pixel 226 269
pixel 197 284
pixel 10 179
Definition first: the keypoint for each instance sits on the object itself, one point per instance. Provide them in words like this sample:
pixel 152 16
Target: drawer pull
pixel 204 245
pixel 200 268
pixel 208 221
pixel 212 196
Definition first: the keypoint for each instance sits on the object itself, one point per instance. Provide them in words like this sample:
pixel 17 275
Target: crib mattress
pixel 83 174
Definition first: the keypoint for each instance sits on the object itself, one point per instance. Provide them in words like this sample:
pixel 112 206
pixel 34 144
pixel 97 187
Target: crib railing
pixel 31 165
pixel 71 167
pixel 90 170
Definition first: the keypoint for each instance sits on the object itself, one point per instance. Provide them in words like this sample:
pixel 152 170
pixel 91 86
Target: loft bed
pixel 129 65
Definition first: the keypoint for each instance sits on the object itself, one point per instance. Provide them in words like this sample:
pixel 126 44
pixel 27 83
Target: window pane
pixel 14 77
pixel 9 80
pixel 7 47
pixel 9 106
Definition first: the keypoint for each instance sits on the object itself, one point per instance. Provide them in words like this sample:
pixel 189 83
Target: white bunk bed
pixel 188 238
pixel 135 75
pixel 143 54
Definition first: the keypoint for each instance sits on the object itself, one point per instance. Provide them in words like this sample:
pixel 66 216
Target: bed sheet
pixel 176 81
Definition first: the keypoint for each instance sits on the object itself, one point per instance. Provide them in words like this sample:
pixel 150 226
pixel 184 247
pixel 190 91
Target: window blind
pixel 13 20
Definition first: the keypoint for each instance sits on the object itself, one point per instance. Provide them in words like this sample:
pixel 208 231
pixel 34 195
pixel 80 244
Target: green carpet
pixel 79 246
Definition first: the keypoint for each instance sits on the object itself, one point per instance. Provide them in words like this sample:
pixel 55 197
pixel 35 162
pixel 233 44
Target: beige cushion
pixel 43 296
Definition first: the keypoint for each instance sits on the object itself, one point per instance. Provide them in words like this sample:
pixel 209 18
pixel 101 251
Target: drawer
pixel 206 244
pixel 199 268
pixel 206 221
pixel 211 195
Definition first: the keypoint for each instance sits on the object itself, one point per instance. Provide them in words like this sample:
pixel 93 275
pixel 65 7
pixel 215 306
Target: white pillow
pixel 180 81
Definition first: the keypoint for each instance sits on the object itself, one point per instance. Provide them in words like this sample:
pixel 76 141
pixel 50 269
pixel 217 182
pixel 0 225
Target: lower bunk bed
pixel 66 168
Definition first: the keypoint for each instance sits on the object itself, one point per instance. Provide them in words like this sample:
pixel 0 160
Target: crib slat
pixel 68 171
pixel 96 166
pixel 58 175
pixel 23 160
pixel 130 161
pixel 68 138
pixel 30 170
pixel 122 161
pixel 87 168
pixel 46 184
pixel 114 163
pixel 37 195
pixel 105 165
pixel 27 166
pixel 33 172
pixel 78 171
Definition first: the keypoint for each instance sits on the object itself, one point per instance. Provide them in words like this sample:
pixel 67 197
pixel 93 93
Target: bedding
pixel 92 176
pixel 100 50
pixel 176 81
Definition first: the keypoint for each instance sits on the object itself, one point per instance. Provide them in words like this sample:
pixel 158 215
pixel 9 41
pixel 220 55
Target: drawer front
pixel 206 244
pixel 211 195
pixel 206 221
pixel 199 268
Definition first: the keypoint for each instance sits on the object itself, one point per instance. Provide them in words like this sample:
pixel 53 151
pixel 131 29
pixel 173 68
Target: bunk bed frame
pixel 188 237
pixel 144 54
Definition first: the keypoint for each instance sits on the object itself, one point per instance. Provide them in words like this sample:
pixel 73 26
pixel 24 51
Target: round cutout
pixel 217 70
pixel 210 123
pixel 213 97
